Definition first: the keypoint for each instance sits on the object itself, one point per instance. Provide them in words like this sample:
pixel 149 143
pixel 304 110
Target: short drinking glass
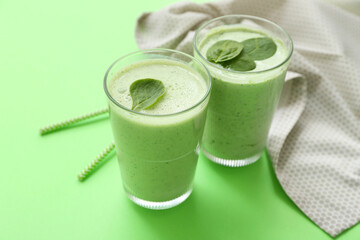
pixel 247 58
pixel 157 145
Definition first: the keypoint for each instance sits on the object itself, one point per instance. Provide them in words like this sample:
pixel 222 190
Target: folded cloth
pixel 314 141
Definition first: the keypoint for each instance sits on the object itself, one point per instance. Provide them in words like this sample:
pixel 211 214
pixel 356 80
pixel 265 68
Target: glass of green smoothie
pixel 157 101
pixel 247 58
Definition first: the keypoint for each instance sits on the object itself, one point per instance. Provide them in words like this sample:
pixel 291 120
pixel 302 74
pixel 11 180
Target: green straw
pixel 61 125
pixel 92 166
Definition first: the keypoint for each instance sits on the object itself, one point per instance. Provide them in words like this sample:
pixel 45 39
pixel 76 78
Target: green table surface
pixel 53 57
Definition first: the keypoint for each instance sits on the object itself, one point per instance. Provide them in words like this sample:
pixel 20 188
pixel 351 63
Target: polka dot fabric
pixel 314 140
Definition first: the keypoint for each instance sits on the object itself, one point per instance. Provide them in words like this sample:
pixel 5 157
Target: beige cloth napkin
pixel 315 137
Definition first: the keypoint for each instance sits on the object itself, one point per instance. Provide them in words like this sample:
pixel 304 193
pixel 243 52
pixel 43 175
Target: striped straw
pixel 63 124
pixel 91 167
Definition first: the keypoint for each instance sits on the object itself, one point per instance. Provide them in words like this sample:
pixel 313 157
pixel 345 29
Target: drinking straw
pixel 92 165
pixel 61 125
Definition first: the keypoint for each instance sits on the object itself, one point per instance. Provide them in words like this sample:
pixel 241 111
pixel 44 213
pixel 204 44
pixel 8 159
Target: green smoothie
pixel 242 103
pixel 156 147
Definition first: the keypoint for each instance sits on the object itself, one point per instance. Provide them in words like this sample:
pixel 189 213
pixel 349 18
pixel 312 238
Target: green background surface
pixel 53 56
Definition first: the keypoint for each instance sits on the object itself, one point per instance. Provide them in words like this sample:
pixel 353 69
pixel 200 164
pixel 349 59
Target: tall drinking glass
pixel 157 146
pixel 246 88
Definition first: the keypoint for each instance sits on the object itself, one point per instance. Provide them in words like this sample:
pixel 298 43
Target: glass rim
pixel 202 26
pixel 158 50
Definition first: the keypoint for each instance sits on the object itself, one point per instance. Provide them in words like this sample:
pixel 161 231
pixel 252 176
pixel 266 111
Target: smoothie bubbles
pixel 157 102
pixel 247 58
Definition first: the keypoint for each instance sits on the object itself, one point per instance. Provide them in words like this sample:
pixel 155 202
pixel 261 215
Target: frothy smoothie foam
pixel 184 87
pixel 240 33
pixel 156 147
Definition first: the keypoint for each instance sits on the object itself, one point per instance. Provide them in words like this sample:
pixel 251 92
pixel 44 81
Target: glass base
pixel 159 205
pixel 232 162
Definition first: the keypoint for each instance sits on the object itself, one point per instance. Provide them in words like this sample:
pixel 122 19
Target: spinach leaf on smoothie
pixel 241 56
pixel 259 48
pixel 145 93
pixel 223 51
pixel 241 63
